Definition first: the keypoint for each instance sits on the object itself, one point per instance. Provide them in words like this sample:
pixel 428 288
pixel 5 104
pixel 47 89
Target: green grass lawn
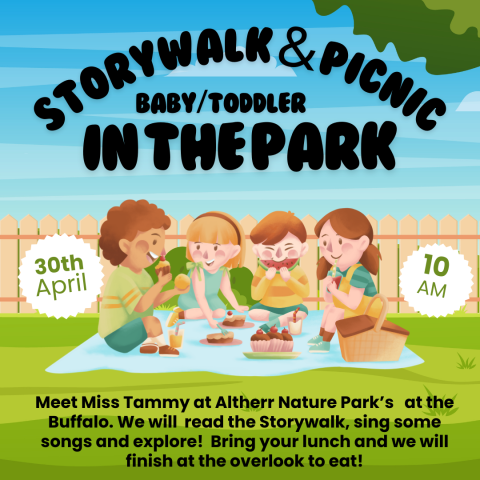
pixel 30 343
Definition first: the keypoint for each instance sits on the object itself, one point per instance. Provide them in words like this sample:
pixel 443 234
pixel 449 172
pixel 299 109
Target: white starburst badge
pixel 436 280
pixel 61 276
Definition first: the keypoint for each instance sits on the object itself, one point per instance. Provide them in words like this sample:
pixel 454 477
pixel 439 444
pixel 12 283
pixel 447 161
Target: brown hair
pixel 212 227
pixel 275 226
pixel 124 222
pixel 352 224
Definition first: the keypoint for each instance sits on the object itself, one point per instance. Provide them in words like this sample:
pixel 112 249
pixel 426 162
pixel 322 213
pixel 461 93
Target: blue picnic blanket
pixel 95 354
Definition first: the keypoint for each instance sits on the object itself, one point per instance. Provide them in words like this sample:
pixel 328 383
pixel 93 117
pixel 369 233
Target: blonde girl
pixel 215 243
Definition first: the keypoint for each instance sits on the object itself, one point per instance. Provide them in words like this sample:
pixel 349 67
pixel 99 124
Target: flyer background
pixel 42 173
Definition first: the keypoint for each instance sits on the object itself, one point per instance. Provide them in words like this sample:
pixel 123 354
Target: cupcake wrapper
pixel 276 345
pixel 259 346
pixel 163 270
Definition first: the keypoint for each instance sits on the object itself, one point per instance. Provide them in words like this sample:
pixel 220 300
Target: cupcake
pixel 162 267
pixel 260 341
pixel 287 341
pixel 276 340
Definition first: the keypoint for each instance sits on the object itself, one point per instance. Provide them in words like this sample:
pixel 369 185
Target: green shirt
pixel 123 291
pixel 361 278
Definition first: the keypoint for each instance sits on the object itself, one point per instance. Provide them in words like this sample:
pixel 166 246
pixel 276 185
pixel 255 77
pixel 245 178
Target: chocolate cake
pixel 220 338
pixel 234 320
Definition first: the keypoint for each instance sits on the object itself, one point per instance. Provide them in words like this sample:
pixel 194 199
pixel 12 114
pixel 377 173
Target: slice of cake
pixel 232 320
pixel 220 337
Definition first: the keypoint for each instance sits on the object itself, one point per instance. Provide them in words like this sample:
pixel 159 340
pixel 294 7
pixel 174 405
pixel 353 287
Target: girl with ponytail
pixel 348 254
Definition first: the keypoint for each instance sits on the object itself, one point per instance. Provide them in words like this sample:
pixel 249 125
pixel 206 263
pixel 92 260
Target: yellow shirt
pixel 276 292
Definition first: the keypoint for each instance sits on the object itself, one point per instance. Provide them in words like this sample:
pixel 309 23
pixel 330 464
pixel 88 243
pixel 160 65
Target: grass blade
pixel 438 411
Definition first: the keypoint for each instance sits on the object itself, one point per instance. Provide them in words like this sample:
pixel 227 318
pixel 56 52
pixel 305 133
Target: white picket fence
pixel 396 240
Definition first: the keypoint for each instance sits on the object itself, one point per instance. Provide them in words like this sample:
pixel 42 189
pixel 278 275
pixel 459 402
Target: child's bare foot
pixel 168 351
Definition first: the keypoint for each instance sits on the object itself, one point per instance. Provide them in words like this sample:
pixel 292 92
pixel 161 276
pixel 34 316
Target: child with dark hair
pixel 132 237
pixel 347 251
pixel 279 282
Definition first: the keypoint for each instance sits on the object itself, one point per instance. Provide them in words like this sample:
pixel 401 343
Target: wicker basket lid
pixel 363 323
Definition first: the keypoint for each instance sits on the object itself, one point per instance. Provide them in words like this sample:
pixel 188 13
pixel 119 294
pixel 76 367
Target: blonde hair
pixel 218 227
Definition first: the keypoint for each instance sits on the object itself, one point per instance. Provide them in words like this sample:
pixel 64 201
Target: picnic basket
pixel 367 339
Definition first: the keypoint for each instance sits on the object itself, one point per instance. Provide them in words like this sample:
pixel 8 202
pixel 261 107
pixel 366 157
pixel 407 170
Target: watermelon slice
pixel 289 263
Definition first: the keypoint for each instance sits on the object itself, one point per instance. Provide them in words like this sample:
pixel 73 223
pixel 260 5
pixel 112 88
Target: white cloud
pixel 471 103
pixel 28 77
pixel 243 68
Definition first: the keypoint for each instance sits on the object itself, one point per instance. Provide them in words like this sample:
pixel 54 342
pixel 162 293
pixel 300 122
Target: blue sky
pixel 42 44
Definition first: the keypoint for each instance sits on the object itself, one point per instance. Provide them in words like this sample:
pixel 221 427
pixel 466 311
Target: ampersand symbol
pixel 293 44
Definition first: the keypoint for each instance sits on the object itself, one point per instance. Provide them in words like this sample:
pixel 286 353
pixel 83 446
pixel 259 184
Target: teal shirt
pixel 212 287
pixel 361 278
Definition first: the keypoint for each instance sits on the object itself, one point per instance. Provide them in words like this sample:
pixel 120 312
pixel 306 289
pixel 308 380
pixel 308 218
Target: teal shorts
pixel 126 338
pixel 280 311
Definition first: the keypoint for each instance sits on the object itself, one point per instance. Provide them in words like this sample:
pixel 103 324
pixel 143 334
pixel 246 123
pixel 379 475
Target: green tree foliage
pixel 415 30
pixel 241 281
pixel 466 13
